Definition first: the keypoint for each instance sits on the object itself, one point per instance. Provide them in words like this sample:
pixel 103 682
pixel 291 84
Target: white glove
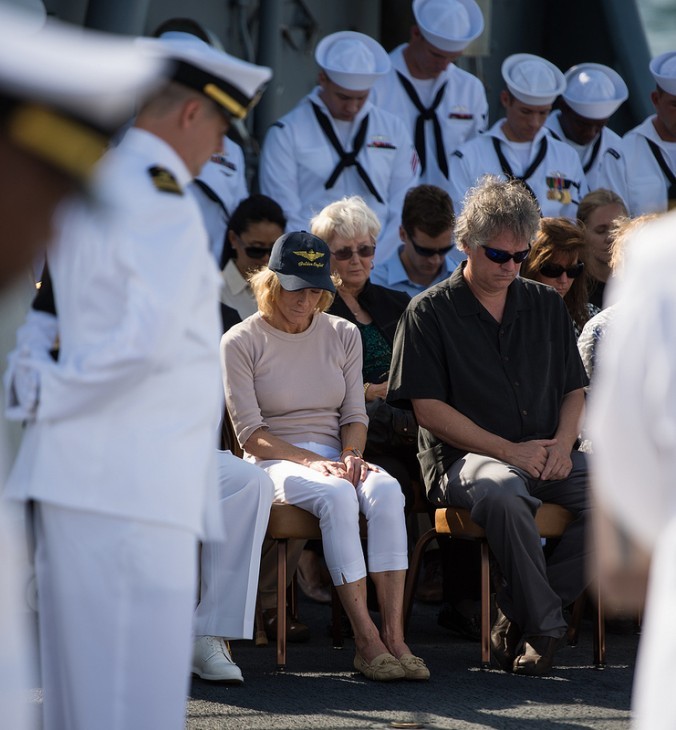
pixel 23 390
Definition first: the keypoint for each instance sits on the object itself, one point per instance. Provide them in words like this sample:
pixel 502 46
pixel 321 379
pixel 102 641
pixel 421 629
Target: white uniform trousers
pixel 337 504
pixel 229 581
pixel 16 672
pixel 655 678
pixel 116 599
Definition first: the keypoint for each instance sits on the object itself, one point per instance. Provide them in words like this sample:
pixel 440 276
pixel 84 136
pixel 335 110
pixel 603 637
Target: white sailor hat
pixel 449 25
pixel 63 91
pixel 663 69
pixel 531 79
pixel 352 60
pixel 594 91
pixel 232 83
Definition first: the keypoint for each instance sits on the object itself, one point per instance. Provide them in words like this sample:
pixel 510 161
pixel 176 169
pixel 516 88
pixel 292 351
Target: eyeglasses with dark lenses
pixel 428 252
pixel 257 252
pixel 553 271
pixel 498 256
pixel 364 251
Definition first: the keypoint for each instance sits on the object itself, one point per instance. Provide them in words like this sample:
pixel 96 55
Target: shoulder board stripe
pixel 164 181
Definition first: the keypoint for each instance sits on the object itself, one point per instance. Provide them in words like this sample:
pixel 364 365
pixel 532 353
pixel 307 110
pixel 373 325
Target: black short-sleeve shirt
pixel 509 377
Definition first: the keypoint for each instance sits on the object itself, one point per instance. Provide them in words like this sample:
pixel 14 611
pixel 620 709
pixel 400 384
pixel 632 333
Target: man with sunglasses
pixel 489 363
pixel 426 255
pixel 441 104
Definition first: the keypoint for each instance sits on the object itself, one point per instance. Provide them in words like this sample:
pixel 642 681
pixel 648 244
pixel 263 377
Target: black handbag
pixel 390 428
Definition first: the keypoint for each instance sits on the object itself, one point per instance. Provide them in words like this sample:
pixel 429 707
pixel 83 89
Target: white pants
pixel 116 600
pixel 15 711
pixel 229 582
pixel 337 504
pixel 655 677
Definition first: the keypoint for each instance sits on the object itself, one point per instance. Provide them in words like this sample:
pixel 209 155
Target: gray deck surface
pixel 321 690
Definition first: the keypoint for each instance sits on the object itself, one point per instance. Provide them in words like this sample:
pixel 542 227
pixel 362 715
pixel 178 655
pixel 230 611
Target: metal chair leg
pixel 281 604
pixel 412 573
pixel 485 607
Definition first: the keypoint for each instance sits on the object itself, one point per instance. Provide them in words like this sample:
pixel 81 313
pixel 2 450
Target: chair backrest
pixel 229 440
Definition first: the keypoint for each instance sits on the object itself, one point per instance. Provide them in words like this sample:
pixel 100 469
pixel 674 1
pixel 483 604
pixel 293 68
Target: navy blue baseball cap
pixel 302 261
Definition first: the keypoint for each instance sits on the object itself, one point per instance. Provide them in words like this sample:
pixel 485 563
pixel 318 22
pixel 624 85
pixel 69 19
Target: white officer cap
pixel 232 83
pixel 663 69
pixel 532 80
pixel 449 25
pixel 352 60
pixel 594 91
pixel 64 90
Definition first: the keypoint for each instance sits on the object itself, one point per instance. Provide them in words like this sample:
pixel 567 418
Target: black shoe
pixel 537 655
pixel 469 627
pixel 430 588
pixel 505 636
pixel 296 632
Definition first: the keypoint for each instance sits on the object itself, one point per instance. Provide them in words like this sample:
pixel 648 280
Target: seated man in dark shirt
pixel 489 364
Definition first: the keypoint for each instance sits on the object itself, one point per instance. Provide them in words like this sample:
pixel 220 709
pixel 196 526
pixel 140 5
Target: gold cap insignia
pixel 310 255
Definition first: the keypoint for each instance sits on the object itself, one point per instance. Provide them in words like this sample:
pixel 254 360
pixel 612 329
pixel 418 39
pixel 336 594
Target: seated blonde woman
pixel 294 390
pixel 598 211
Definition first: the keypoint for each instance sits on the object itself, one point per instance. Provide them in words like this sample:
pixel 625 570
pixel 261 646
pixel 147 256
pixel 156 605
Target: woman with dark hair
pixel 557 258
pixel 254 226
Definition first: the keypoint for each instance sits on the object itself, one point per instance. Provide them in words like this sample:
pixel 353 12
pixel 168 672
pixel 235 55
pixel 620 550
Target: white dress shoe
pixel 211 660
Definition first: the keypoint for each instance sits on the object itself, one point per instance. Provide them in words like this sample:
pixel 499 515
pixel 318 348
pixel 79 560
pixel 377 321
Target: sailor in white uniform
pixel 57 87
pixel 594 92
pixel 650 148
pixel 219 188
pixel 520 146
pixel 336 143
pixel 118 454
pixel 441 104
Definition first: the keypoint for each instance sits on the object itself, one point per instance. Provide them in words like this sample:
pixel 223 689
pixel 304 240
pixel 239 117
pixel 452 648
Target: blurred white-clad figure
pixel 633 428
pixel 62 92
pixel 118 453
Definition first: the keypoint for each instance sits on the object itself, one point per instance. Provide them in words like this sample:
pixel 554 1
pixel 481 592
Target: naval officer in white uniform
pixel 650 148
pixel 441 104
pixel 520 146
pixel 336 143
pixel 594 92
pixel 56 86
pixel 221 184
pixel 118 453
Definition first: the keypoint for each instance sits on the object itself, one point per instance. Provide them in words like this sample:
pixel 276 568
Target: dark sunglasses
pixel 498 256
pixel 428 252
pixel 553 271
pixel 257 252
pixel 364 251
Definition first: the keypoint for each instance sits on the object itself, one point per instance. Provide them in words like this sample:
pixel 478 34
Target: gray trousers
pixel 503 500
